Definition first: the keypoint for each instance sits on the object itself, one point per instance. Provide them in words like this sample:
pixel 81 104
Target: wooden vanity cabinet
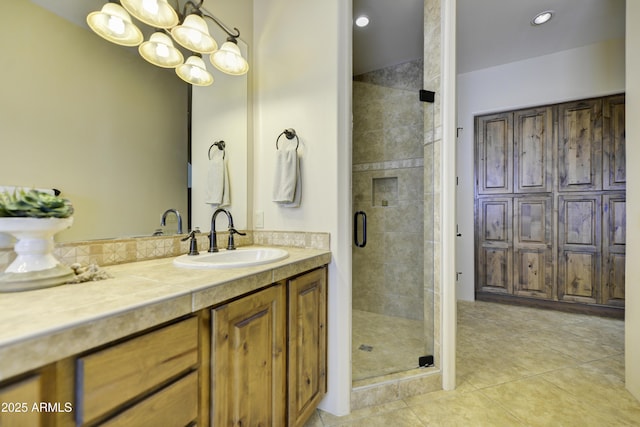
pixel 259 359
pixel 269 354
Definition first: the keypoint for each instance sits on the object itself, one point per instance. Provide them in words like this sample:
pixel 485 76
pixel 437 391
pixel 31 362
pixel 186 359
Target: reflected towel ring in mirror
pixel 221 145
pixel 290 134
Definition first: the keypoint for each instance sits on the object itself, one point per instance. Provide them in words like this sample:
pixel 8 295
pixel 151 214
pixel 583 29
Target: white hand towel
pixel 295 203
pixel 286 176
pixel 218 182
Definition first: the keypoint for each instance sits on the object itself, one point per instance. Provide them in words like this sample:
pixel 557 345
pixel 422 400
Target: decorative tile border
pixel 298 239
pixel 391 164
pixel 121 251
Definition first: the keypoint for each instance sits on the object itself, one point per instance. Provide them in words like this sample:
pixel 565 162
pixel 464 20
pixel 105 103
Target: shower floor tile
pixel 383 345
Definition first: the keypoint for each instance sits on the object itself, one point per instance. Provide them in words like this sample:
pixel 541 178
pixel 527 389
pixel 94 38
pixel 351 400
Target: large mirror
pixel 95 121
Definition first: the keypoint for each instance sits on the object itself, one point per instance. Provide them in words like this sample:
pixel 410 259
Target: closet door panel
pixel 495 270
pixel 579 276
pixel 494 151
pixel 614 173
pixel 580 146
pixel 613 249
pixel 494 255
pixel 532 242
pixel 579 246
pixel 533 151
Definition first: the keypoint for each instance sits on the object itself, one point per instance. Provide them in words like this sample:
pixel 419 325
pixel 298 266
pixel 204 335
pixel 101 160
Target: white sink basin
pixel 241 257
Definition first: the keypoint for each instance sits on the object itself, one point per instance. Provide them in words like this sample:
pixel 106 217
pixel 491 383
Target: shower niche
pixel 385 191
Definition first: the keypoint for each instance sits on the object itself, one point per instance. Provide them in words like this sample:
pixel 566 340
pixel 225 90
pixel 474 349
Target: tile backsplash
pixel 119 251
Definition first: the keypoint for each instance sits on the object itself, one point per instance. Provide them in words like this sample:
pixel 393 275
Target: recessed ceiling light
pixel 542 17
pixel 362 21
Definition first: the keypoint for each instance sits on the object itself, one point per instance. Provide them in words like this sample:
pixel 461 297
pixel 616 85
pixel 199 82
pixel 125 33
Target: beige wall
pixel 92 119
pixel 632 312
pixel 302 80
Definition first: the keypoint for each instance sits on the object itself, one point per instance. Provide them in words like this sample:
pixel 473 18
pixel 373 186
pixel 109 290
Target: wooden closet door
pixel 613 248
pixel 494 255
pixel 533 150
pixel 614 172
pixel 580 146
pixel 532 242
pixel 579 247
pixel 550 202
pixel 494 154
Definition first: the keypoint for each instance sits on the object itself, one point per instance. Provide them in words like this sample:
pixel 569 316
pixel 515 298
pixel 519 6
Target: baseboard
pixel 568 307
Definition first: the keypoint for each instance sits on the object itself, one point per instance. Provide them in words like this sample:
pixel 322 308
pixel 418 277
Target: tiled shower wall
pixel 388 179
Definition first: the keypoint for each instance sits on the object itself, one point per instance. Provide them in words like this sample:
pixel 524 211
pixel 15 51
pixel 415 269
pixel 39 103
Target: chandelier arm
pixel 194 7
pixel 197 8
pixel 221 25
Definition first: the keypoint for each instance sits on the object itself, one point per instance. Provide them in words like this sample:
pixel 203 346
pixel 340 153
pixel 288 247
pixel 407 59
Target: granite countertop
pixel 41 326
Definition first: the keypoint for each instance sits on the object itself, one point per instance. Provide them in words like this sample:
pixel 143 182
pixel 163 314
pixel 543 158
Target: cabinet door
pixel 579 246
pixel 533 263
pixel 580 146
pixel 19 399
pixel 307 379
pixel 613 248
pixel 248 360
pixel 533 151
pixel 494 152
pixel 614 172
pixel 494 254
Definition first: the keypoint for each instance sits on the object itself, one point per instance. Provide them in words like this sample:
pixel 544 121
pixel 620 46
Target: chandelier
pixel 189 29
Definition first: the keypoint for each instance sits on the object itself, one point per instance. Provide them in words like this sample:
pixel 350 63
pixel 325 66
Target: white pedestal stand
pixel 35 266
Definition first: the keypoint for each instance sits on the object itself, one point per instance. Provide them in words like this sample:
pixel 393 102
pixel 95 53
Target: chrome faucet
pixel 213 246
pixel 163 220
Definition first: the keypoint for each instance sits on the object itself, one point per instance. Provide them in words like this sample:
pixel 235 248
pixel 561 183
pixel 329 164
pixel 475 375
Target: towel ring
pixel 290 134
pixel 220 145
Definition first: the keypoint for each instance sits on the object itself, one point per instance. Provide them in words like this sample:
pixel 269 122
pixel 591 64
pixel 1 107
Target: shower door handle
pixel 360 243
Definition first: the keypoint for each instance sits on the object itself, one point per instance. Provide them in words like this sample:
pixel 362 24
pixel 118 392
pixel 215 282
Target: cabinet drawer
pixel 115 375
pixel 175 405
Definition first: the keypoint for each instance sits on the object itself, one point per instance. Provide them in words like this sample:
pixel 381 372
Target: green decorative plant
pixel 33 204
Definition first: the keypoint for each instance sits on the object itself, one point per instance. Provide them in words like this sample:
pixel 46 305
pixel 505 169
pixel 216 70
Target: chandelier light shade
pixel 186 25
pixel 113 23
pixel 229 60
pixel 193 34
pixel 194 71
pixel 156 13
pixel 159 50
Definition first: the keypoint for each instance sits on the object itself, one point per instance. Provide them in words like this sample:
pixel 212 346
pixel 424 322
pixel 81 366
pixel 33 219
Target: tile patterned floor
pixel 520 367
